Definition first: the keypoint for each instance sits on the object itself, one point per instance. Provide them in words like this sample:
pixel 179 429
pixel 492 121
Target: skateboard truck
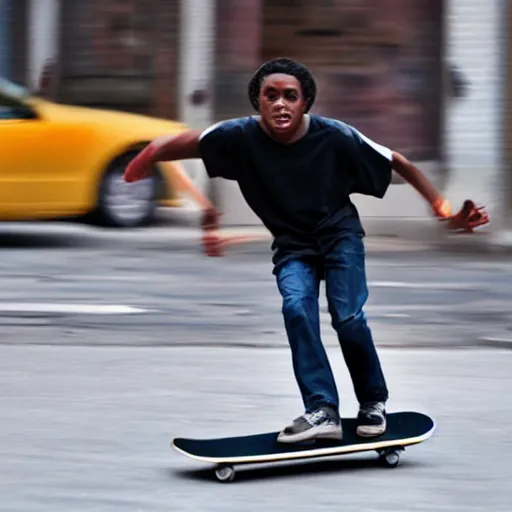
pixel 388 457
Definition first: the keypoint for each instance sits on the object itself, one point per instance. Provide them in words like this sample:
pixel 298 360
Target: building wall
pixel 196 86
pixel 376 64
pixel 507 94
pixel 237 55
pixel 5 46
pixel 43 37
pixel 121 55
pixel 18 41
pixel 474 123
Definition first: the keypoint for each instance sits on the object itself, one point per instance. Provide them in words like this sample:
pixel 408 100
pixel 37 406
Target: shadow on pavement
pixel 74 233
pixel 295 469
pixel 46 240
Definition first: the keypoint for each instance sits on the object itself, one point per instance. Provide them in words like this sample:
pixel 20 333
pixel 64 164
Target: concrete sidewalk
pixel 413 233
pixel 393 235
pixel 179 230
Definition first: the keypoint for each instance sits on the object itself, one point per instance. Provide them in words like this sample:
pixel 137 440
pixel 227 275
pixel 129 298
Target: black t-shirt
pixel 300 191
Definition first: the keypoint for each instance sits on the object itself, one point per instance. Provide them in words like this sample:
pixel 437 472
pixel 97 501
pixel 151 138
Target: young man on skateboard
pixel 297 171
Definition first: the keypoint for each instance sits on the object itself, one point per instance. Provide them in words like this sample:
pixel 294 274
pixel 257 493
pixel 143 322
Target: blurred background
pixel 428 78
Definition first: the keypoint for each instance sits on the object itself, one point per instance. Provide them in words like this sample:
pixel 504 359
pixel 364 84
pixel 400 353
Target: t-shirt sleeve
pixel 373 165
pixel 218 147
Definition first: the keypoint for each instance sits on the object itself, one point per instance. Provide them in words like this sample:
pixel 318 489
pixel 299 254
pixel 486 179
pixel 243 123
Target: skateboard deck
pixel 403 429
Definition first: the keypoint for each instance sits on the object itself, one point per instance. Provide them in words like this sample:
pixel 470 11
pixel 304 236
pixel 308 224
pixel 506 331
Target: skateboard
pixel 403 429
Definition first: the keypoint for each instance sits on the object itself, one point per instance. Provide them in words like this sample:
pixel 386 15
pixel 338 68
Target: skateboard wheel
pixel 225 473
pixel 390 457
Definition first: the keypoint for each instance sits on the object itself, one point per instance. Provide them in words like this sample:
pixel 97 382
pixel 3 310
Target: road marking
pixel 83 309
pixel 505 341
pixel 425 286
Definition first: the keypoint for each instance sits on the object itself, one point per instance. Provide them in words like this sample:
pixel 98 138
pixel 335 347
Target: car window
pixel 12 90
pixel 12 109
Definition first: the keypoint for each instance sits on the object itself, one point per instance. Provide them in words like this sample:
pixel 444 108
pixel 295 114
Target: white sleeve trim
pixel 383 150
pixel 210 129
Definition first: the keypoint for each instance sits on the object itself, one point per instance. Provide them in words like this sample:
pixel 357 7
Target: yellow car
pixel 61 161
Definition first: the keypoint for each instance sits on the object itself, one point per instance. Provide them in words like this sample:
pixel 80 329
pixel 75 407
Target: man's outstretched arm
pixel 467 218
pixel 416 178
pixel 170 148
pixel 183 146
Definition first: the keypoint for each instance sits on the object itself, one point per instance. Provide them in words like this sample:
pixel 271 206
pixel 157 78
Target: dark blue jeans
pixel 298 280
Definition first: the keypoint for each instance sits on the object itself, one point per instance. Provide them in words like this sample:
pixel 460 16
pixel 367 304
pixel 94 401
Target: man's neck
pixel 301 131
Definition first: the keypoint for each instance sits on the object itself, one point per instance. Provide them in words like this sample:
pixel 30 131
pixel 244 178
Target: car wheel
pixel 122 204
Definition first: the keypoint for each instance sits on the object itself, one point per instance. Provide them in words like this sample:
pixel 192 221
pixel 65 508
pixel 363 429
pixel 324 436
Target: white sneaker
pixel 318 424
pixel 371 419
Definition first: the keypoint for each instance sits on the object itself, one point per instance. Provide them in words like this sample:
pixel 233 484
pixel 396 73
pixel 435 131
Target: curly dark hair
pixel 287 67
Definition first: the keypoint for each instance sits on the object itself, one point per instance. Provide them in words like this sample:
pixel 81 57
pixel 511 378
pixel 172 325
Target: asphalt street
pixel 112 344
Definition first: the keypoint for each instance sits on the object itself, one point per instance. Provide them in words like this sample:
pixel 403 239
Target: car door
pixel 39 171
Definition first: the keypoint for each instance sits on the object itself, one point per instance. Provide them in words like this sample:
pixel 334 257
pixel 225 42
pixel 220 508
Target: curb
pixel 253 242
pixel 419 237
pixel 501 342
pixel 484 245
pixel 382 233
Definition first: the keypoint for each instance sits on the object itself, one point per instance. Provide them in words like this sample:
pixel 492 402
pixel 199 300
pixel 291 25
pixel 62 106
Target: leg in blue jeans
pixel 346 289
pixel 347 292
pixel 298 282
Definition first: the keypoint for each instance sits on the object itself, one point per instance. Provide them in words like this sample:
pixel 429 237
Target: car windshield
pixel 12 90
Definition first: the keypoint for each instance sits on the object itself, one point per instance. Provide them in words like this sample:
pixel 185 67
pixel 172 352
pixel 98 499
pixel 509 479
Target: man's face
pixel 282 105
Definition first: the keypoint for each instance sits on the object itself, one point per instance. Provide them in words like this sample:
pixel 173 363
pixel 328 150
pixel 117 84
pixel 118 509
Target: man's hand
pixel 211 238
pixel 214 241
pixel 210 219
pixel 466 219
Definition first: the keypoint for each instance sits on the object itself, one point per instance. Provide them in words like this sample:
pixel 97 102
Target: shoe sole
pixel 369 431
pixel 311 434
